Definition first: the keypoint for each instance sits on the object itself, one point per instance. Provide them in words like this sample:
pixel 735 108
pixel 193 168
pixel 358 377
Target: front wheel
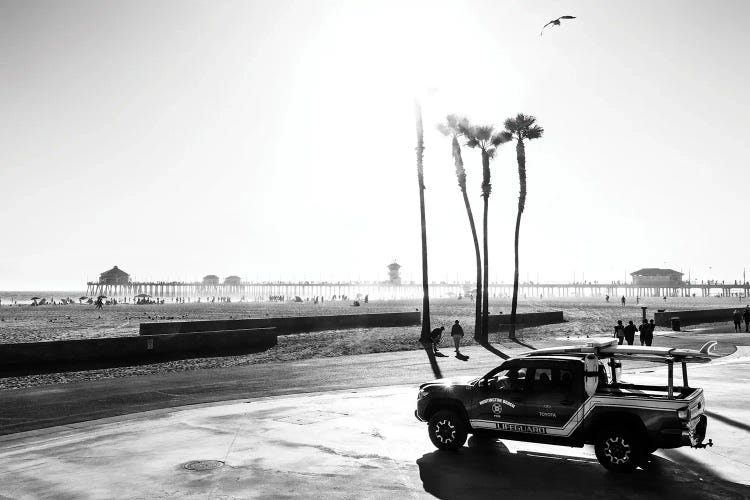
pixel 618 451
pixel 447 430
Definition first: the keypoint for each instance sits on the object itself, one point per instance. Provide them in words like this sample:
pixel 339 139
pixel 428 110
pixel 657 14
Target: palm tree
pixel 420 179
pixel 425 336
pixel 519 128
pixel 482 137
pixel 452 128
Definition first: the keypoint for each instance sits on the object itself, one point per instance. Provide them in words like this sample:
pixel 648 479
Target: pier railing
pixel 385 290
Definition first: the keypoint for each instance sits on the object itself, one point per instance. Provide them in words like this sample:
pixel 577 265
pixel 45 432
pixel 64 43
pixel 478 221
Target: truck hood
pixel 449 381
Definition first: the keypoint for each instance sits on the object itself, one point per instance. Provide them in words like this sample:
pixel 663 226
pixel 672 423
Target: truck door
pixel 501 399
pixel 553 396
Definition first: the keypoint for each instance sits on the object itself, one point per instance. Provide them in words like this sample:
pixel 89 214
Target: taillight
pixel 683 413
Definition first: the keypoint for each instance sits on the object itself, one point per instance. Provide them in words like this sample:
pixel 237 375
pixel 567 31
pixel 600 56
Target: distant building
pixel 655 277
pixel 114 276
pixel 231 280
pixel 211 279
pixel 394 273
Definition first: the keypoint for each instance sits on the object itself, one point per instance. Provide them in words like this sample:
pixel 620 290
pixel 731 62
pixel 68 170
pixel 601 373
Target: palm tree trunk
pixel 478 255
pixel 486 189
pixel 420 178
pixel 521 159
pixel 485 289
pixel 514 303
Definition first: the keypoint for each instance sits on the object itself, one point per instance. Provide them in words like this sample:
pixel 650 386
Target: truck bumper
pixel 696 434
pixel 416 414
pixel 691 435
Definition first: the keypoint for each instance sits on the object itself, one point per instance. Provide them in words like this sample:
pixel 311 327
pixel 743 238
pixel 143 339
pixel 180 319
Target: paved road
pixel 362 443
pixel 62 404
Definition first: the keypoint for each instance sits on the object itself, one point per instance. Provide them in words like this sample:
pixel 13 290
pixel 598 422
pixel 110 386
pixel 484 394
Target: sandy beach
pixel 586 316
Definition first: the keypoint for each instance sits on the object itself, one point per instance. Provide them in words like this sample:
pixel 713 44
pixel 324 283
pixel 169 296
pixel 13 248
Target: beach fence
pixel 695 316
pixel 71 355
pixel 288 325
pixel 501 322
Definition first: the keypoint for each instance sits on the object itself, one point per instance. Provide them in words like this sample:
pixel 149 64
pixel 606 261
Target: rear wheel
pixel 618 450
pixel 447 430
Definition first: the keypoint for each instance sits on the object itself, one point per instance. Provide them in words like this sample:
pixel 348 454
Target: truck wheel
pixel 447 430
pixel 618 450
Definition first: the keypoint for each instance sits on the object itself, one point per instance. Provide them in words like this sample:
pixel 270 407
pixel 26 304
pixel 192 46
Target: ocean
pixel 24 297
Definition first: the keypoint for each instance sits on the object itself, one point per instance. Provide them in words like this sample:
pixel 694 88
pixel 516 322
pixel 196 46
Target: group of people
pixel 738 317
pixel 457 333
pixel 627 333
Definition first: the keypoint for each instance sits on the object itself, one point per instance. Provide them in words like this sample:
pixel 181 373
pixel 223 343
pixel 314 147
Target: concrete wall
pixel 125 350
pixel 500 322
pixel 288 325
pixel 695 317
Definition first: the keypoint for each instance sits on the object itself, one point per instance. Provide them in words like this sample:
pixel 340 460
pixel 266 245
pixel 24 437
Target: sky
pixel 275 140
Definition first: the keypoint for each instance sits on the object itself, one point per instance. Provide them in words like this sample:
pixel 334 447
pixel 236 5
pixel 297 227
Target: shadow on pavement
pixel 487 470
pixel 729 421
pixel 524 344
pixel 494 350
pixel 430 350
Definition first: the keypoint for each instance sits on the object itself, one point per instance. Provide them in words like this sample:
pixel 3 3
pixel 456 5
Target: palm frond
pixel 519 123
pixel 444 129
pixel 465 128
pixel 501 138
pixel 511 125
pixel 525 121
pixel 483 132
pixel 472 142
pixel 534 132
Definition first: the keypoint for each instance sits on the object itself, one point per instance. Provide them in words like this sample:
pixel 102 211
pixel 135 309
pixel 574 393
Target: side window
pixel 553 381
pixel 566 381
pixel 542 379
pixel 512 379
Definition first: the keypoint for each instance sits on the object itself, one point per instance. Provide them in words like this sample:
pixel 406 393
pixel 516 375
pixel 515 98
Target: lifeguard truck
pixel 572 396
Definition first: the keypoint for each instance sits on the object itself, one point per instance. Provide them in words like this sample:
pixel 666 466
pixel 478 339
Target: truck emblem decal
pixel 497 408
pixel 497 400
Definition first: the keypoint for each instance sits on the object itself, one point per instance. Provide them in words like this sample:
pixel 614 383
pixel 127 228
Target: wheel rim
pixel 445 431
pixel 617 450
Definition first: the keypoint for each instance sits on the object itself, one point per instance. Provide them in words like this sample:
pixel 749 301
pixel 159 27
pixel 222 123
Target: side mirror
pixel 482 383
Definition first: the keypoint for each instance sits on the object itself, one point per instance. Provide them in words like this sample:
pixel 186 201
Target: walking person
pixel 643 329
pixel 651 328
pixel 457 332
pixel 746 317
pixel 620 332
pixel 623 300
pixel 630 333
pixel 737 318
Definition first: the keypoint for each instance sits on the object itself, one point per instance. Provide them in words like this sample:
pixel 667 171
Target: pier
pixel 261 291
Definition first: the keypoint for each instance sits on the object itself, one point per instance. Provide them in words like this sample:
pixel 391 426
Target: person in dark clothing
pixel 737 318
pixel 457 332
pixel 746 317
pixel 643 329
pixel 619 332
pixel 623 300
pixel 630 333
pixel 435 337
pixel 651 328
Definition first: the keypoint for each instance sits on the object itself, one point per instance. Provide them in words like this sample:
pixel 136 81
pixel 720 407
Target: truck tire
pixel 447 430
pixel 618 450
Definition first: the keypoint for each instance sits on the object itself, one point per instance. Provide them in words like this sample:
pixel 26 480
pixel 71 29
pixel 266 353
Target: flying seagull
pixel 555 22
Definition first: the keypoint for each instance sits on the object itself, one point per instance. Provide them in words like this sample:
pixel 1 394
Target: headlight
pixel 683 413
pixel 422 393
